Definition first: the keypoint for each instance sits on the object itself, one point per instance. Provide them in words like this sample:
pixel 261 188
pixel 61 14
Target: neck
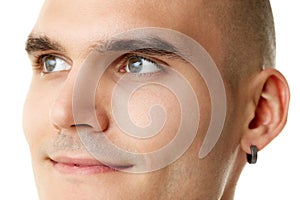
pixel 228 196
pixel 233 178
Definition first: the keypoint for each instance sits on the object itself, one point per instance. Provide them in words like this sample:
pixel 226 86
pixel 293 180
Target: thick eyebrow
pixel 41 43
pixel 152 46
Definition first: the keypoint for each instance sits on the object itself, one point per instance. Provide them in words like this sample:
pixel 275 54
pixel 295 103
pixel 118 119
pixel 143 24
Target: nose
pixel 69 111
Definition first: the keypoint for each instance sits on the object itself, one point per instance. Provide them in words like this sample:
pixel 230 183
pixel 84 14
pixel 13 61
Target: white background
pixel 275 176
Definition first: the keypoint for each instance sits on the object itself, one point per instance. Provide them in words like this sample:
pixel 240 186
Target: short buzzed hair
pixel 247 28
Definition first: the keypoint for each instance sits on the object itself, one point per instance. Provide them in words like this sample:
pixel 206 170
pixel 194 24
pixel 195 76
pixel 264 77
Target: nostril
pixel 81 125
pixel 94 127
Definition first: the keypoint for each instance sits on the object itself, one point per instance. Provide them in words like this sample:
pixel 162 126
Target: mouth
pixel 84 166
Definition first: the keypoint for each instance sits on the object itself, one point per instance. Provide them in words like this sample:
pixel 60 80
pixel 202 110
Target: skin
pixel 256 112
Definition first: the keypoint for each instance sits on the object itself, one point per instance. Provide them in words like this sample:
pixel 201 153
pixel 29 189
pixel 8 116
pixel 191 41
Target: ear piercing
pixel 252 158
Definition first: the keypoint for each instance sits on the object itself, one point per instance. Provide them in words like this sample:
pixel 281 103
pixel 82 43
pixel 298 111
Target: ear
pixel 268 113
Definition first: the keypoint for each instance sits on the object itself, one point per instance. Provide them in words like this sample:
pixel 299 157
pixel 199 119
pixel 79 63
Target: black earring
pixel 252 158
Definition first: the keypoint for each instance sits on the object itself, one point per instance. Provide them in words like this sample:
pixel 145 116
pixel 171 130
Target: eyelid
pixel 123 60
pixel 150 58
pixel 60 64
pixel 64 58
pixel 39 56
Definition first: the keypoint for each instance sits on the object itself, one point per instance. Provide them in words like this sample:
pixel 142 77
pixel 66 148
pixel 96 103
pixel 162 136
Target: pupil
pixel 50 63
pixel 135 64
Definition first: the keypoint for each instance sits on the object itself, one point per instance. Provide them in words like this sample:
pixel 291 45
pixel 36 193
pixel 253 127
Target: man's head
pixel 239 37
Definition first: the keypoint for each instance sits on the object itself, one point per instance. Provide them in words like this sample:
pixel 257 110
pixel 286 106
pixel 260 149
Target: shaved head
pixel 247 28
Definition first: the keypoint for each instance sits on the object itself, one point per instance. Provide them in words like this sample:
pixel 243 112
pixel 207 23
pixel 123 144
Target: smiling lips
pixel 83 166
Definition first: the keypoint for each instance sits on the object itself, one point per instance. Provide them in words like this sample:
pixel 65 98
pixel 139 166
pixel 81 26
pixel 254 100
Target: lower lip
pixel 81 169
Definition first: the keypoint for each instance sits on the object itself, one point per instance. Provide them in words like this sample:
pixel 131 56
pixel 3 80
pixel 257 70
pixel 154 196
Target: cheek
pixel 150 106
pixel 154 102
pixel 35 113
pixel 159 107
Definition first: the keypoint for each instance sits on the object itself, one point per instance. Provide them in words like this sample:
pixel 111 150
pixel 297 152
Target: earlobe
pixel 270 111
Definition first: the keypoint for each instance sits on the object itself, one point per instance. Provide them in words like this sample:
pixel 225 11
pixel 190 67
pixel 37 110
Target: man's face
pixel 62 165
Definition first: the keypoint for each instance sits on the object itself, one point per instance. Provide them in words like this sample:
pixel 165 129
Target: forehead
pixel 77 23
pixel 119 13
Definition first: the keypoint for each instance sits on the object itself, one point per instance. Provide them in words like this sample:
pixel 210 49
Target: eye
pixel 53 63
pixel 140 65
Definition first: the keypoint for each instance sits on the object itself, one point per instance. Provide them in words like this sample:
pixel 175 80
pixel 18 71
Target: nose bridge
pixel 61 110
pixel 75 102
pixel 73 108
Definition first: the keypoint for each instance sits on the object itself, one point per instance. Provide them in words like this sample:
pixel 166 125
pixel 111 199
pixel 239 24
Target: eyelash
pixel 121 68
pixel 126 58
pixel 38 60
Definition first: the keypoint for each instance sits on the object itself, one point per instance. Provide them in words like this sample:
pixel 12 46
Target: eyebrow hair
pixel 135 44
pixel 151 46
pixel 41 43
